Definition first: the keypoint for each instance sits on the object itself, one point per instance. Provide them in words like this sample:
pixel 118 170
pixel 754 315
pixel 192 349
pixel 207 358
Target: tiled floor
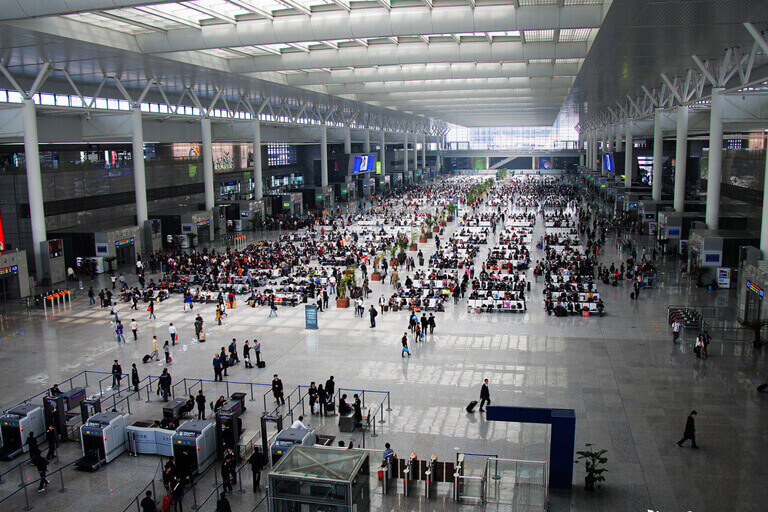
pixel 630 387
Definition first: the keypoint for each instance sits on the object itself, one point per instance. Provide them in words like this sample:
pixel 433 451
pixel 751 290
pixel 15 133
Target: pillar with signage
pixel 54 268
pixel 14 276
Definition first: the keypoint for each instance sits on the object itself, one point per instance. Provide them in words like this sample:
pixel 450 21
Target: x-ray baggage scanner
pixel 16 425
pixel 194 446
pixel 103 438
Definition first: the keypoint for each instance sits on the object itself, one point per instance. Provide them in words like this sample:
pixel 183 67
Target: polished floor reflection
pixel 631 389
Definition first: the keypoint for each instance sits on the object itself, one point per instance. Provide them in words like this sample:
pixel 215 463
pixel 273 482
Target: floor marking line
pixel 657 327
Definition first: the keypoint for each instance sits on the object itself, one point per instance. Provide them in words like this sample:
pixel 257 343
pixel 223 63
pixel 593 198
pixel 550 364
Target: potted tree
pixel 756 326
pixel 402 245
pixel 393 253
pixel 108 260
pixel 342 299
pixel 376 275
pixel 414 245
pixel 451 210
pixel 191 237
pixel 592 460
pixel 423 236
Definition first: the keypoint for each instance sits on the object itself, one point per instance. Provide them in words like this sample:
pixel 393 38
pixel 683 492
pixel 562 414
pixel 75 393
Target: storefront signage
pixel 695 248
pixel 204 223
pixel 754 288
pixel 310 316
pixel 9 270
pixel 124 241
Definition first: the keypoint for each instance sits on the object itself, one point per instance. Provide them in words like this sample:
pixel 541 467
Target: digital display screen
pixel 365 162
pixel 608 162
pixel 713 258
pixel 674 232
pixel 56 248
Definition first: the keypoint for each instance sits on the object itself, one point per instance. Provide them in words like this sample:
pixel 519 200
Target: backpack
pixel 166 505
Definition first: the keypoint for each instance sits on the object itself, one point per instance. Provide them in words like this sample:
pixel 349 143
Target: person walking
pixel 256 460
pixel 148 503
pixel 277 390
pixel 135 377
pixel 173 333
pixel 223 504
pixel 200 400
pixel 272 309
pixel 119 331
pixel 164 384
pixel 135 329
pixel 690 431
pixel 431 323
pixel 198 326
pixel 155 354
pixel 406 350
pixel 217 368
pixel 485 395
pixel 91 297
pixel 151 309
pixel 52 439
pixel 167 350
pixel 330 388
pixel 34 448
pixel 42 468
pixel 676 326
pixel 117 375
pixel 373 313
pixel 247 355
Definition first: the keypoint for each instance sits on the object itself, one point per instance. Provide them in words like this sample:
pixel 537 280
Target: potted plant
pixel 393 253
pixel 756 326
pixel 451 210
pixel 108 260
pixel 376 275
pixel 347 282
pixel 402 244
pixel 697 273
pixel 414 246
pixel 592 460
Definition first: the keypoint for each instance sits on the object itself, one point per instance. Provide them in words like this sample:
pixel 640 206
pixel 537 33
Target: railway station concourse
pixel 573 190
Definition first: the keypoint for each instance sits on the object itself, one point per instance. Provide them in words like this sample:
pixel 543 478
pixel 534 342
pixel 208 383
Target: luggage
pixel 762 387
pixel 632 295
pixel 471 406
pixel 146 358
pixel 330 408
pixel 261 364
pixel 201 337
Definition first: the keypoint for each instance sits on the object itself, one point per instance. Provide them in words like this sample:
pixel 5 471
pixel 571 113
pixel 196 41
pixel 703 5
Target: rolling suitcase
pixel 261 364
pixel 471 406
pixel 146 358
pixel 201 337
pixel 762 387
pixel 330 408
pixel 632 296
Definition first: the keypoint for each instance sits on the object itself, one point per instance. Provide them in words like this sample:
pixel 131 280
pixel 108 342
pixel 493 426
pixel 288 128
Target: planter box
pixel 375 276
pixel 422 240
pixel 342 303
pixel 413 248
pixel 450 218
pixel 435 229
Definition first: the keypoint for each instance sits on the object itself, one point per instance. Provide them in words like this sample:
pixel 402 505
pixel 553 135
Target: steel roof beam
pixel 372 23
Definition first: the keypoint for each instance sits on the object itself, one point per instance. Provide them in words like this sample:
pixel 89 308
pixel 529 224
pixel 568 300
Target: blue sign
pixel 310 316
pixel 365 162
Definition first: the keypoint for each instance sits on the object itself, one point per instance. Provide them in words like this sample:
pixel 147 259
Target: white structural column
pixel 34 184
pixel 714 175
pixel 324 155
pixel 591 151
pixel 348 140
pixel 629 164
pixel 257 164
pixel 617 143
pixel 367 140
pixel 139 174
pixel 423 151
pixel 383 155
pixel 658 148
pixel 681 155
pixel 405 153
pixel 764 224
pixel 207 164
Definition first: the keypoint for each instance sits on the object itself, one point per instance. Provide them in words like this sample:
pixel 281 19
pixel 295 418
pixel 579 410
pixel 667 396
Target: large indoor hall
pixel 383 256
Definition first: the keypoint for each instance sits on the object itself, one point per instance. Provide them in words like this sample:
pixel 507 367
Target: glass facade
pixel 561 135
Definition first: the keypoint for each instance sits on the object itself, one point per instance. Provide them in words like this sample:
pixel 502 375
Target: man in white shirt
pixel 299 423
pixel 173 333
pixel 134 329
pixel 676 326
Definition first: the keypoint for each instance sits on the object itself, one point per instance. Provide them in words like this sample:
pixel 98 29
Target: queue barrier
pixel 57 300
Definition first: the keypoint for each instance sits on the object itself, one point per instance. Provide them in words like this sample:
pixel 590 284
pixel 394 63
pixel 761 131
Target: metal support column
pixel 681 156
pixel 324 155
pixel 423 151
pixel 139 175
pixel 348 140
pixel 207 164
pixel 658 147
pixel 617 143
pixel 405 154
pixel 383 155
pixel 34 184
pixel 714 175
pixel 367 140
pixel 764 223
pixel 257 164
pixel 629 163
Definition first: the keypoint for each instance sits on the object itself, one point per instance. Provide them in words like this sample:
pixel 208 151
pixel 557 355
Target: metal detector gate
pixel 269 418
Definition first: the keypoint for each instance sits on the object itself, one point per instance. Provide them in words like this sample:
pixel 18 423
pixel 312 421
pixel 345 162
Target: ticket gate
pixel 89 407
pixel 458 479
pixel 58 406
pixel 229 426
pixel 410 474
pixel 388 474
pixel 16 424
pixel 430 478
pixel 194 446
pixel 103 438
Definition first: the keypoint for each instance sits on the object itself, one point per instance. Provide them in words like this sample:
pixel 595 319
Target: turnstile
pixel 410 474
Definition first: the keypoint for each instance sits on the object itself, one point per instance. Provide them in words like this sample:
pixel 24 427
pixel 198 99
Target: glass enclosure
pixel 315 478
